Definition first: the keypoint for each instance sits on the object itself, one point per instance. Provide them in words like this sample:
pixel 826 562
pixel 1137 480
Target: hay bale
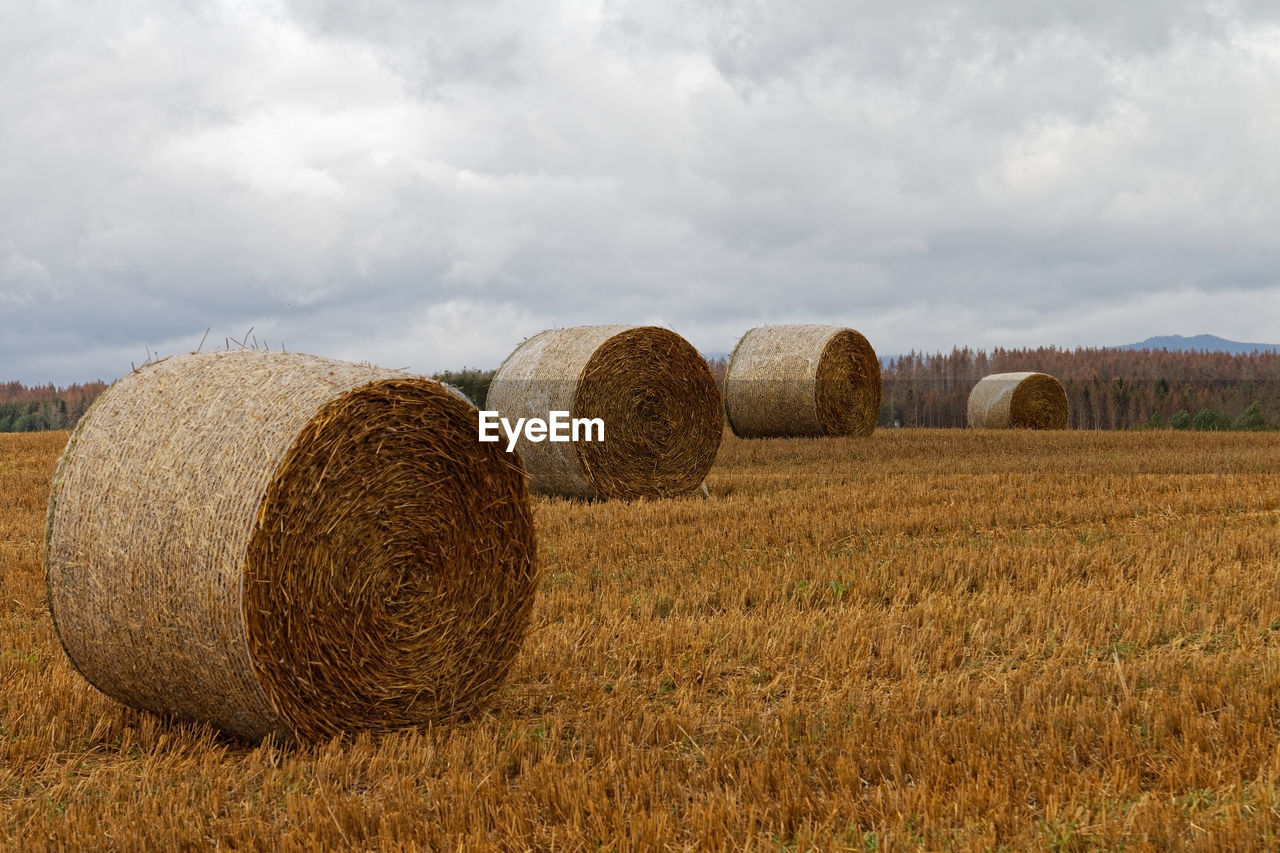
pixel 1018 400
pixel 802 380
pixel 656 395
pixel 286 545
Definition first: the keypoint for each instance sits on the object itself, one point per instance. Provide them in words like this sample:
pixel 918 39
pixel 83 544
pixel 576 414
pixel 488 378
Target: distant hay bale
pixel 803 380
pixel 655 394
pixel 286 545
pixel 1018 400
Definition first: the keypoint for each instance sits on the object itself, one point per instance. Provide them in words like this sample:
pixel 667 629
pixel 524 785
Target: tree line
pixel 1106 388
pixel 41 407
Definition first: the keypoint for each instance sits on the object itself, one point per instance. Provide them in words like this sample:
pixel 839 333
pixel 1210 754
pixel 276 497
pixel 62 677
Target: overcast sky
pixel 424 184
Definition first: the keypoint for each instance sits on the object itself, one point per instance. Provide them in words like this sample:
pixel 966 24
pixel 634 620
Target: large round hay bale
pixel 804 380
pixel 656 395
pixel 286 545
pixel 1018 400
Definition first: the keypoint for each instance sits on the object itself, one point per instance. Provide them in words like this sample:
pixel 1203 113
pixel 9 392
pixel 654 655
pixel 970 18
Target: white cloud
pixel 426 183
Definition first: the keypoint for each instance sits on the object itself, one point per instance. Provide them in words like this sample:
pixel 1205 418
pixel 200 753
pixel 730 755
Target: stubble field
pixel 925 639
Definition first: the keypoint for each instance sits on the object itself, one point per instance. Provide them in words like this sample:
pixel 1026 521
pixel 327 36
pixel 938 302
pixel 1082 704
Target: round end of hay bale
pixel 285 545
pixel 662 413
pixel 847 391
pixel 1039 402
pixel 388 578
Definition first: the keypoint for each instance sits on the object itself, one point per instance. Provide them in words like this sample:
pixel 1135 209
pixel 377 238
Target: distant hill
pixel 1200 343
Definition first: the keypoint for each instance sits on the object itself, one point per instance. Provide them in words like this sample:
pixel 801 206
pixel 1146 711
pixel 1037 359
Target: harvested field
pixel 960 639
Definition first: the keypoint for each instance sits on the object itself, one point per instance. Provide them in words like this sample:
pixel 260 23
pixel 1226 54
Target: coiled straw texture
pixel 802 380
pixel 1019 401
pixel 280 544
pixel 655 394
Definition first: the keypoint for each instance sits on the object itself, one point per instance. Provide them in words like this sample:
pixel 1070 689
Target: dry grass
pixel 925 639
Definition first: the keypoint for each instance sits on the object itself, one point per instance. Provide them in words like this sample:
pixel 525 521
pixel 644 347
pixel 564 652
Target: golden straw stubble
pixel 662 412
pixel 281 544
pixel 1024 400
pixel 802 380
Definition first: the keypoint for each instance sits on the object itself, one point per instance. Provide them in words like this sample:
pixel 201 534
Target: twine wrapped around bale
pixel 1019 401
pixel 286 545
pixel 655 394
pixel 804 380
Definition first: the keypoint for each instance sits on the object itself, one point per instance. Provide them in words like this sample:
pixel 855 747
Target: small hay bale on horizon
pixel 657 397
pixel 802 380
pixel 1018 401
pixel 285 545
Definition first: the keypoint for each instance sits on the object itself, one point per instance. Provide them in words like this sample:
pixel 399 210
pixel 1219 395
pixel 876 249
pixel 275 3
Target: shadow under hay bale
pixel 655 394
pixel 803 380
pixel 286 545
pixel 1018 401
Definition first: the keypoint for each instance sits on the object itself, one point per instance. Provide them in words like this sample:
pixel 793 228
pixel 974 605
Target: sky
pixel 424 184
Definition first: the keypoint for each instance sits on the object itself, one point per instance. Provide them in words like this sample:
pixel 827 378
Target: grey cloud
pixel 430 182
